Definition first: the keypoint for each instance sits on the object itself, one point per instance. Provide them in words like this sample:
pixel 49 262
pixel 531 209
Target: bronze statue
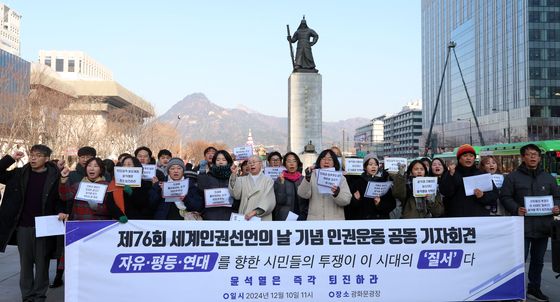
pixel 306 38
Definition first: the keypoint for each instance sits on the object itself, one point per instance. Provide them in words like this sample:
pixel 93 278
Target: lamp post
pixel 470 128
pixel 508 124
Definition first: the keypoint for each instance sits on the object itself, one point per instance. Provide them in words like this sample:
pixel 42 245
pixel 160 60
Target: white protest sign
pixel 175 188
pixel 91 192
pixel 131 176
pixel 539 205
pixel 292 216
pixel 354 166
pixel 148 172
pixel 241 217
pixel 498 180
pixel 273 172
pixel 482 182
pixel 392 163
pixel 376 189
pixel 242 153
pixel 48 226
pixel 328 178
pixel 217 198
pixel 423 186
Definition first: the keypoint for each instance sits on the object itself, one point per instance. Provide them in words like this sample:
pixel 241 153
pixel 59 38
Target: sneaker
pixel 536 294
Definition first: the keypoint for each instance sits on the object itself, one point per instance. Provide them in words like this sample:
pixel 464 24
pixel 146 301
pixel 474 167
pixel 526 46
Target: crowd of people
pixel 46 186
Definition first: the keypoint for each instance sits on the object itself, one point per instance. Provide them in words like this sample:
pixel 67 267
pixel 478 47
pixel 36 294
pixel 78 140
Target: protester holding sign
pixel 416 207
pixel 80 209
pixel 377 207
pixel 452 187
pixel 130 202
pixel 185 208
pixel 285 190
pixel 144 155
pixel 256 191
pixel 31 191
pixel 220 207
pixel 204 165
pixel 325 206
pixel 530 180
pixel 488 164
pixel 274 159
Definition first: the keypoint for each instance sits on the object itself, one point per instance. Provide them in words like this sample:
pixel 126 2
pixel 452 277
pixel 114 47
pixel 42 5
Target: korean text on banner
pixel 482 182
pixel 392 163
pixel 131 176
pixel 424 186
pixel 475 258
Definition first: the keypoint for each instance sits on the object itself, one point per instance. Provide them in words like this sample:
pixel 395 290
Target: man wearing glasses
pixel 31 191
pixel 522 188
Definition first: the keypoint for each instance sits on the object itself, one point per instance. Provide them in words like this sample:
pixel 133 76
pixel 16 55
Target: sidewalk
pixel 9 279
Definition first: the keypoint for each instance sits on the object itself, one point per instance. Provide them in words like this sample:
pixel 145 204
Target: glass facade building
pixel 509 53
pixel 14 80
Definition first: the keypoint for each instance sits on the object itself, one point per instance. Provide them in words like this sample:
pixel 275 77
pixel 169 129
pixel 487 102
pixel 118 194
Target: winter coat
pixel 416 207
pixel 253 194
pixel 365 207
pixel 288 200
pixel 11 209
pixel 136 205
pixel 209 181
pixel 324 206
pixel 163 209
pixel 457 203
pixel 524 182
pixel 79 209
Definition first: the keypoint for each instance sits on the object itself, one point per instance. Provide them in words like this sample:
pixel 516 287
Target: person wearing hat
pixel 458 204
pixel 176 209
pixel 362 207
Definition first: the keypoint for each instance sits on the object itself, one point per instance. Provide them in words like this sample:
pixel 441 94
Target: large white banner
pixel 439 259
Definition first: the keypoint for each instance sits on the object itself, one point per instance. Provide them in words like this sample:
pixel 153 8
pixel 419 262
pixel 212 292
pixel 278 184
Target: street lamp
pixel 508 125
pixel 470 128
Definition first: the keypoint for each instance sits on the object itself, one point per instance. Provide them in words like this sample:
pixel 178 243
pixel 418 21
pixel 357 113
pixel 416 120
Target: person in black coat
pixel 452 187
pixel 217 178
pixel 285 190
pixel 378 207
pixel 31 191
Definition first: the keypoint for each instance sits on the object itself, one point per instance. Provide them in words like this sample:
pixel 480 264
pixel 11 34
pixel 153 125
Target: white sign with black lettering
pixel 424 186
pixel 273 172
pixel 241 217
pixel 173 189
pixel 498 180
pixel 354 166
pixel 376 189
pixel 131 176
pixel 326 179
pixel 91 192
pixel 539 205
pixel 242 153
pixel 392 163
pixel 148 172
pixel 217 198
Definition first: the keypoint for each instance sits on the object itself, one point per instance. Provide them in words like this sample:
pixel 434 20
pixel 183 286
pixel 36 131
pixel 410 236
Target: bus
pixel 508 156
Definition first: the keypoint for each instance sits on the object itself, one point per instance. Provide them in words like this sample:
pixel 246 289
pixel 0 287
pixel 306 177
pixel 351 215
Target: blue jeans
pixel 537 246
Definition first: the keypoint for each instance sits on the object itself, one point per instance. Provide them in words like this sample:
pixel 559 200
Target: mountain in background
pixel 204 120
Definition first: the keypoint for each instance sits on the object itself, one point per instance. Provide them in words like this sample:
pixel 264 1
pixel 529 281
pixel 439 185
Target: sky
pixel 236 52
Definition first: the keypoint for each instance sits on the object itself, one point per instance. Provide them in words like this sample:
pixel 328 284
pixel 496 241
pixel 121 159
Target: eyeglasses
pixel 36 155
pixel 291 161
pixel 532 154
pixel 327 158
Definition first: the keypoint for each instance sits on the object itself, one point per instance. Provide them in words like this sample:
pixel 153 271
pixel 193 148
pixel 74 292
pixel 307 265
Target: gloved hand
pixel 127 189
pixel 123 219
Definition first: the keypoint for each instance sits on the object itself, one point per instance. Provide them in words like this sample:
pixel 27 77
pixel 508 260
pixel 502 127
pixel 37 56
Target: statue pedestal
pixel 305 115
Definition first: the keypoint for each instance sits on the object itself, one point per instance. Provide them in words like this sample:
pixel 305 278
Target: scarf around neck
pixel 221 172
pixel 293 177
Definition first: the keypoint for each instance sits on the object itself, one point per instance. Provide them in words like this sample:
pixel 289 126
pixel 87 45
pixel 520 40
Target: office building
pixel 9 30
pixel 402 131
